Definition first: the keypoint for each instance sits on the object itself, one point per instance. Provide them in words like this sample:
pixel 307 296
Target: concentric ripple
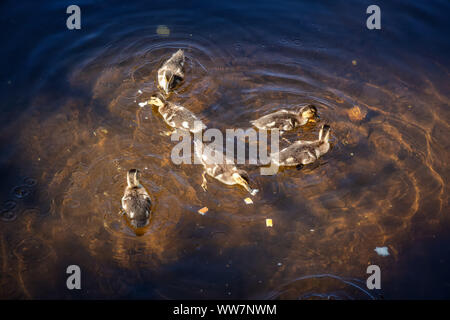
pixel 322 287
pixel 76 127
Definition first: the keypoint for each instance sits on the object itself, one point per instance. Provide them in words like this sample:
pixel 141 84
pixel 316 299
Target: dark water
pixel 71 128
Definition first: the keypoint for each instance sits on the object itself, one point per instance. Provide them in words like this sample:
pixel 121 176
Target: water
pixel 71 128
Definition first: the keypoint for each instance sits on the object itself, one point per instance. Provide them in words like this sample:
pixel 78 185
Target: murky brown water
pixel 66 154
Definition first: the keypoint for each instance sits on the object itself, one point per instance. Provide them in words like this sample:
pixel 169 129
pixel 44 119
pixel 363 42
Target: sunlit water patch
pixel 78 128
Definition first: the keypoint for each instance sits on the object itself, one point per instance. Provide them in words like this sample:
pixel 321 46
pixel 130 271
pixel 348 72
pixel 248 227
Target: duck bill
pixel 314 119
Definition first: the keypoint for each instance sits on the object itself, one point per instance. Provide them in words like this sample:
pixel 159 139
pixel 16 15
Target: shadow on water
pixel 73 128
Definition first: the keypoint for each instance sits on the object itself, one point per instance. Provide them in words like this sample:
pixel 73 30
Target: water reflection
pixel 383 183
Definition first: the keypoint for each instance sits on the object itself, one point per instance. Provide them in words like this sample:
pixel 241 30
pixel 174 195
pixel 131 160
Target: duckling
pixel 136 202
pixel 285 120
pixel 226 173
pixel 172 72
pixel 304 152
pixel 177 116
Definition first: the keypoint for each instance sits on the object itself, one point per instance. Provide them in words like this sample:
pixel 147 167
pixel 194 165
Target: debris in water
pixel 356 114
pixel 269 223
pixel 142 104
pixel 163 30
pixel 140 91
pixel 203 210
pixel 354 62
pixel 248 201
pixel 382 251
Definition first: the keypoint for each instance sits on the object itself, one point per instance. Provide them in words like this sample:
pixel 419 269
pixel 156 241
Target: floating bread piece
pixel 382 251
pixel 248 201
pixel 269 223
pixel 355 114
pixel 203 210
pixel 143 104
pixel 163 30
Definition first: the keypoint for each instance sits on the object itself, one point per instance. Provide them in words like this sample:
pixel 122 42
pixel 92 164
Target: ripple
pixel 10 205
pixel 322 287
pixel 30 182
pixel 382 171
pixel 21 192
pixel 32 211
pixel 72 203
pixel 32 250
pixel 8 215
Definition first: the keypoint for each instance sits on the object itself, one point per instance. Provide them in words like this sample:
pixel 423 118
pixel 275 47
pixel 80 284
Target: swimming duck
pixel 172 72
pixel 136 202
pixel 224 172
pixel 304 152
pixel 177 116
pixel 285 120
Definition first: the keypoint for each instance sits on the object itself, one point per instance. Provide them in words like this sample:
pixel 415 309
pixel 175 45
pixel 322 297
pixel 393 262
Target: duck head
pixel 308 112
pixel 156 100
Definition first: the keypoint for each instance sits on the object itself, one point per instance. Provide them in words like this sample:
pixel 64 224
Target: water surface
pixel 72 127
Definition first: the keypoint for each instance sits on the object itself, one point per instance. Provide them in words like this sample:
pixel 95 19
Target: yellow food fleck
pixel 203 210
pixel 354 62
pixel 163 30
pixel 355 114
pixel 269 223
pixel 248 201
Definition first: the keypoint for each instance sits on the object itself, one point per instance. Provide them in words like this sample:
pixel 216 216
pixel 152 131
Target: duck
pixel 225 172
pixel 286 120
pixel 301 152
pixel 177 116
pixel 171 73
pixel 136 202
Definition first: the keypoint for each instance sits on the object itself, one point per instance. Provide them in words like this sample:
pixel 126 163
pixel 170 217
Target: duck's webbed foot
pixel 204 182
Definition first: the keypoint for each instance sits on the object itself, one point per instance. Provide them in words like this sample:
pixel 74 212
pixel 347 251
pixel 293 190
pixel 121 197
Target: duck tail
pixel 179 54
pixel 324 133
pixel 133 178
